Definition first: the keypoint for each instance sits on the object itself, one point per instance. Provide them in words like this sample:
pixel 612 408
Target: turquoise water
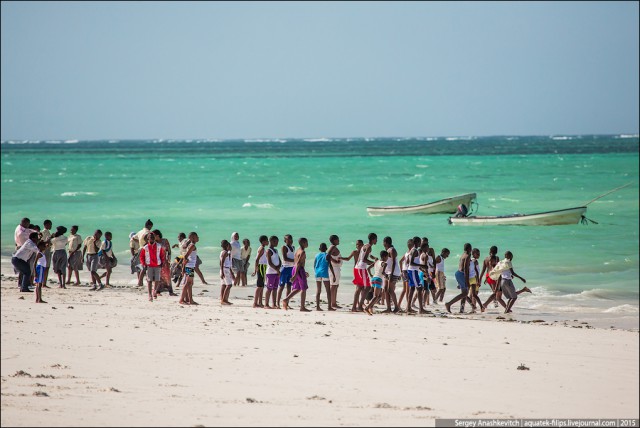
pixel 316 188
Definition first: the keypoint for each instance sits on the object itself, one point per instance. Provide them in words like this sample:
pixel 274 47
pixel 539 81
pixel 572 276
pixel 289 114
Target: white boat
pixel 448 206
pixel 547 218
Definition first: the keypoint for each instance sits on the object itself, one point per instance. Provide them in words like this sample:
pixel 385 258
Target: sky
pixel 218 70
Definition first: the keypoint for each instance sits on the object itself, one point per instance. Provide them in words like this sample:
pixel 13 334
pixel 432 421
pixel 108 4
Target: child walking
pixel 299 283
pixel 321 268
pixel 41 268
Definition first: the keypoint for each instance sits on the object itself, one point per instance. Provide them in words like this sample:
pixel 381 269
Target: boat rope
pixel 610 191
pixel 586 221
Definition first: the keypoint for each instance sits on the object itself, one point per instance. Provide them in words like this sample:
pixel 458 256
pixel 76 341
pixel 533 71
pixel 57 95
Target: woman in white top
pixel 59 259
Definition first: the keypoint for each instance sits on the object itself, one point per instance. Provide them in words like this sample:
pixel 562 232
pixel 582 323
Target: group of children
pixel 419 272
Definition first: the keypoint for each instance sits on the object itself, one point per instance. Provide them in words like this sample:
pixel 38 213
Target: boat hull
pixel 548 218
pixel 446 206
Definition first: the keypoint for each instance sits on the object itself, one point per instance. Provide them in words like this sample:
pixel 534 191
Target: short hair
pixel 34 235
pixel 107 233
pixel 47 222
pixel 388 240
pixel 416 240
pixel 493 250
pixel 372 236
pixel 333 238
pixel 288 235
pixel 224 243
pixel 263 238
pixel 181 235
pixel 245 240
pixel 508 255
pixel 383 254
pixel 274 238
pixel 98 231
pixel 191 234
pixel 467 247
pixel 148 224
pixel 445 250
pixel 301 240
pixel 157 232
pixel 360 241
pixel 75 226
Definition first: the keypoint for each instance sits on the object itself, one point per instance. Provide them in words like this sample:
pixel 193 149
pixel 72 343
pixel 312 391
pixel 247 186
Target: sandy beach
pixel 113 358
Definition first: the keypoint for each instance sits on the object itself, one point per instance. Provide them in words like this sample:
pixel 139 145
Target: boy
pixel 274 264
pixel 440 277
pixel 506 284
pixel 288 254
pixel 462 277
pixel 363 282
pixel 321 268
pixel 41 269
pixel 91 246
pixel 245 253
pixel 299 282
pixel 260 269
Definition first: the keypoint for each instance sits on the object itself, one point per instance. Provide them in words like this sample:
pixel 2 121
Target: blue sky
pixel 275 70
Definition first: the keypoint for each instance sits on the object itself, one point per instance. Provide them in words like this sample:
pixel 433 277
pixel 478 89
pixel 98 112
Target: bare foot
pixel 396 310
pixel 223 303
pixel 303 309
pixel 286 305
pixel 482 309
pixel 448 306
pixel 337 306
pixel 150 299
pixel 268 307
pixel 386 311
pixel 526 289
pixel 318 308
pixel 508 312
pixel 193 302
pixel 424 312
pixel 331 309
pixel 228 302
pixel 411 311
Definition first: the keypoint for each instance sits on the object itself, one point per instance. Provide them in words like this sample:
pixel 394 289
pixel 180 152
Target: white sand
pixel 117 359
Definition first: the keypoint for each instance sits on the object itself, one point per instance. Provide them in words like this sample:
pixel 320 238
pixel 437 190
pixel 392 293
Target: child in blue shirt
pixel 321 267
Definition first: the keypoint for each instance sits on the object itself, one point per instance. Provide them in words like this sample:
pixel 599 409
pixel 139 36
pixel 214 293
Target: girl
pixel 188 270
pixel 59 258
pixel 227 277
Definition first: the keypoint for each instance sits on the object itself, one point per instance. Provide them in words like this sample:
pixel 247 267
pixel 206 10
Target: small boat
pixel 448 206
pixel 547 218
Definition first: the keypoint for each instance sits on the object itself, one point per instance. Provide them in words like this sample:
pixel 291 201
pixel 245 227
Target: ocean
pixel 319 187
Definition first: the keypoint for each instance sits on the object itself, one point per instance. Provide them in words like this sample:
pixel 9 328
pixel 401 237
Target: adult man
pixel 20 260
pixel 21 236
pixel 152 257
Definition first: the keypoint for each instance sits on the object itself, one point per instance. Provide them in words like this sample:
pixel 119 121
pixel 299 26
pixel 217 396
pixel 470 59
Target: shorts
pixel 285 275
pixel 92 262
pixel 413 278
pixel 189 271
pixel 40 274
pixel 490 280
pixel 153 273
pixel 441 280
pixel 237 265
pixel 262 270
pixel 394 278
pixel 227 280
pixel 362 280
pixel 508 289
pixel 322 278
pixel 462 283
pixel 299 280
pixel 338 273
pixel 272 281
pixel 376 282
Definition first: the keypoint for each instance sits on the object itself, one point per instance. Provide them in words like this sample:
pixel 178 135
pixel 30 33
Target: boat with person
pixel 545 218
pixel 443 206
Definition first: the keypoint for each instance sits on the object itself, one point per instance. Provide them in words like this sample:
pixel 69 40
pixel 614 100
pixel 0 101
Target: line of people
pixel 419 272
